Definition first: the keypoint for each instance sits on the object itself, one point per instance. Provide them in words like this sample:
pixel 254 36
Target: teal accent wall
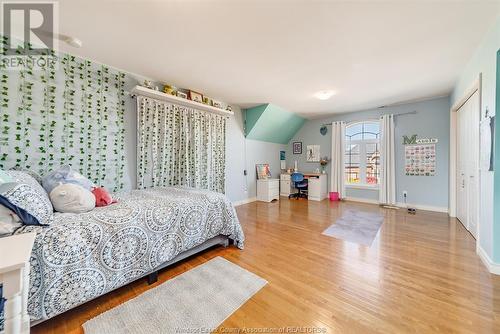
pixel 271 123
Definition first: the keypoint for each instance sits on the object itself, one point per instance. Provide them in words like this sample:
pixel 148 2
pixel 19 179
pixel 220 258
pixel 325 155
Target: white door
pixel 468 164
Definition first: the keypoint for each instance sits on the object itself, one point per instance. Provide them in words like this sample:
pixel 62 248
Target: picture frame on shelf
pixel 297 147
pixel 217 104
pixel 195 96
pixel 263 171
pixel 182 95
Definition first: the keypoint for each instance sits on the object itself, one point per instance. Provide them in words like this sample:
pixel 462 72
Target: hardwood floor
pixel 421 275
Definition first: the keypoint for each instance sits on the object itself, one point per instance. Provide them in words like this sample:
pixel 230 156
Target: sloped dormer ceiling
pixel 271 123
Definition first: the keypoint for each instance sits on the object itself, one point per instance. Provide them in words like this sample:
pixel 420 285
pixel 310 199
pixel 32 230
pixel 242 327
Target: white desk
pixel 15 253
pixel 317 188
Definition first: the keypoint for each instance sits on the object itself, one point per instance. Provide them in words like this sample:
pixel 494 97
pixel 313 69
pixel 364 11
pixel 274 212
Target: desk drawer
pixel 285 177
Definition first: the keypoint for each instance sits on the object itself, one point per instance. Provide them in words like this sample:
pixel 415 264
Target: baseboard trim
pixel 492 267
pixel 424 207
pixel 401 205
pixel 245 201
pixel 361 200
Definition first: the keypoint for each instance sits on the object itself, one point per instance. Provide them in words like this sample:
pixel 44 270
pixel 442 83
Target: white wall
pixel 484 62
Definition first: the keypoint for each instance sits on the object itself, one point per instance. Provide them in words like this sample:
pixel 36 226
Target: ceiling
pixel 282 52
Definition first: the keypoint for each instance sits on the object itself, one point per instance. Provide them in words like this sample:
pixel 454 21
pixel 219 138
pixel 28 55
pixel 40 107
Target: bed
pixel 82 256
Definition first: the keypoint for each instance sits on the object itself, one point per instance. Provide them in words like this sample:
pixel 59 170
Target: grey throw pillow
pixel 27 203
pixel 27 178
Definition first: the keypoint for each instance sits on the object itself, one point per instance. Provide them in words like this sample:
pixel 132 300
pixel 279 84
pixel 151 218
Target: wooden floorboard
pixel 421 275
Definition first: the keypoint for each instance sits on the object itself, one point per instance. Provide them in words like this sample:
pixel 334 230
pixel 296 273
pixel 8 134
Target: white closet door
pixel 468 164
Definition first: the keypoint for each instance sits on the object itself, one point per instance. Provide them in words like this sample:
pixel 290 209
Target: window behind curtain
pixel 362 155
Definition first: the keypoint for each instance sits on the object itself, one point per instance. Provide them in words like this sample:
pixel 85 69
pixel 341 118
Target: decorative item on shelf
pixel 297 147
pixel 229 108
pixel 182 94
pixel 157 88
pixel 312 153
pixel 207 100
pixel 148 84
pixel 196 97
pixel 217 104
pixel 323 162
pixel 171 90
pixel 263 171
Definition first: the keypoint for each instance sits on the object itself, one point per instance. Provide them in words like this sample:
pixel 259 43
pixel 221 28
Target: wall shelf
pixel 154 94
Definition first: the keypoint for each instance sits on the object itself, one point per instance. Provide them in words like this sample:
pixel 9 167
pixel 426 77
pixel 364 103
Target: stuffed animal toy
pixel 102 197
pixel 72 198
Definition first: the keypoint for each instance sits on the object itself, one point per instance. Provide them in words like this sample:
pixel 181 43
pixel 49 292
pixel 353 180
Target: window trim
pixel 362 153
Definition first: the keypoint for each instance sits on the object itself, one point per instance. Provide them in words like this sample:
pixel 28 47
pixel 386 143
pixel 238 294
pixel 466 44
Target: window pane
pixel 352 163
pixel 353 129
pixel 372 164
pixel 371 130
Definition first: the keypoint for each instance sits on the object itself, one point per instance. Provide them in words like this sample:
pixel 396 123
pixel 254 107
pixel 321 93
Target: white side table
pixel 268 190
pixel 15 253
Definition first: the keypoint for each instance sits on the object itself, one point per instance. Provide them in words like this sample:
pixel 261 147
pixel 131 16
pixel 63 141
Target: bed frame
pixel 153 275
pixel 218 240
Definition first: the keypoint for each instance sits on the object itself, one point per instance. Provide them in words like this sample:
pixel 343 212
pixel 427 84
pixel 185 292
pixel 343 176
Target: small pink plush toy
pixel 102 197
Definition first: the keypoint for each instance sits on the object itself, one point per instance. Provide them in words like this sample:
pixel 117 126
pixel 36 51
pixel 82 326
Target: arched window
pixel 362 156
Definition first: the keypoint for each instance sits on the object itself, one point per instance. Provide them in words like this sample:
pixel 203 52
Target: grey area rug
pixel 356 226
pixel 193 302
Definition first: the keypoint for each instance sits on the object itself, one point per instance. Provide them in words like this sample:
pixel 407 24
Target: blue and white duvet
pixel 82 256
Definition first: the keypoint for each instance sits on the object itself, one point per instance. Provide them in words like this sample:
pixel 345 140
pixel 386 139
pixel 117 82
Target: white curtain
pixel 337 183
pixel 387 193
pixel 177 145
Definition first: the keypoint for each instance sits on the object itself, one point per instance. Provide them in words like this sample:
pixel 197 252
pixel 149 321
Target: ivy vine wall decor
pixel 67 112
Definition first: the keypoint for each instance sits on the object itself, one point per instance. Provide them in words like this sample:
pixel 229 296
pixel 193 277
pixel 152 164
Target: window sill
pixel 362 186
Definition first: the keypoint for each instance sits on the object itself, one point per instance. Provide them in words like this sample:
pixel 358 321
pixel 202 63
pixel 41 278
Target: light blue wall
pixel 430 121
pixel 484 62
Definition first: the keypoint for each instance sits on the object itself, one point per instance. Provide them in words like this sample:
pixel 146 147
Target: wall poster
pixel 420 160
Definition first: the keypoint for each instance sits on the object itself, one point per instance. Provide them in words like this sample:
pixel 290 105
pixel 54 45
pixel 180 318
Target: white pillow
pixel 9 221
pixel 72 198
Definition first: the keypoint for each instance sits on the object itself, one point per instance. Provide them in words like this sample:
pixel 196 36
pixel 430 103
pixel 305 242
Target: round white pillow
pixel 72 198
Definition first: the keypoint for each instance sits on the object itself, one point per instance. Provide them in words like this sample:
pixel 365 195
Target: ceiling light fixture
pixel 324 94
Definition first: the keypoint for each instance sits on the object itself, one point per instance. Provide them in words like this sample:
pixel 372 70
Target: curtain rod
pixel 399 114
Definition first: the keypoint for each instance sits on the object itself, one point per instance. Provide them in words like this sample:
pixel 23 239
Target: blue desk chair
pixel 301 184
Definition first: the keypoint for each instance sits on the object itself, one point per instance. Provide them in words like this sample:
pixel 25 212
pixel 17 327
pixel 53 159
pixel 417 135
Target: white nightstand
pixel 14 275
pixel 268 189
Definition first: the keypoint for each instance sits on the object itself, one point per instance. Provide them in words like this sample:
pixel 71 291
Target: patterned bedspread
pixel 82 256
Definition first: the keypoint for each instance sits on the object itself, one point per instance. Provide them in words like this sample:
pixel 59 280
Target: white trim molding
pixel 492 267
pixel 362 200
pixel 442 209
pixel 245 201
pixel 400 205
